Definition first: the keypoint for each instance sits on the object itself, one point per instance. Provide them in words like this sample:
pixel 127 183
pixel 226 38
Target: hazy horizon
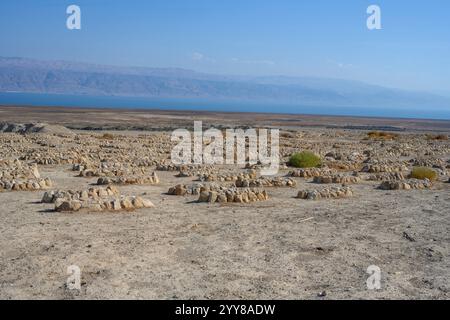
pixel 233 75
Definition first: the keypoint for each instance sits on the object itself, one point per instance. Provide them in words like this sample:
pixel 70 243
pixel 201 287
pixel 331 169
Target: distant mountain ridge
pixel 64 77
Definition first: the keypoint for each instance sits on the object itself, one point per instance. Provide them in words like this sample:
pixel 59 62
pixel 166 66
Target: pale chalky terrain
pixel 97 189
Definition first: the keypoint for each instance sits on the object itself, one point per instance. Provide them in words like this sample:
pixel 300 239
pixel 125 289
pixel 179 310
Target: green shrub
pixel 422 173
pixel 304 159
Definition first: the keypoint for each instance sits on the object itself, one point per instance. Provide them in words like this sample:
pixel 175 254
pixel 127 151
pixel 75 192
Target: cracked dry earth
pixel 281 248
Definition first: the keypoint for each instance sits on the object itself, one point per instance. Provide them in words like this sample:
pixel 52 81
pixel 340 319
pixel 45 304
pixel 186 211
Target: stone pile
pixel 16 169
pixel 437 163
pixel 192 172
pixel 183 167
pixel 265 182
pixel 326 193
pixel 94 199
pixel 25 185
pixel 260 167
pixel 124 180
pixel 250 174
pixel 84 195
pixel 408 184
pixel 337 178
pixel 195 188
pixel 82 148
pixel 386 176
pixel 181 189
pixel 112 169
pixel 233 195
pixel 16 175
pixel 310 172
pixel 100 205
pixel 377 168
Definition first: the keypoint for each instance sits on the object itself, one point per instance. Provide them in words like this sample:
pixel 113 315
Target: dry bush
pixel 437 137
pixel 107 136
pixel 381 135
pixel 423 173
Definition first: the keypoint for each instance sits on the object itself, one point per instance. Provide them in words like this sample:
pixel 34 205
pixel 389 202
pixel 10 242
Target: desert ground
pixel 97 189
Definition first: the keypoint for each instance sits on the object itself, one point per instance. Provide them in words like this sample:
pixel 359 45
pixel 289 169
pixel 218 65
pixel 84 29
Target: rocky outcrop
pixel 33 128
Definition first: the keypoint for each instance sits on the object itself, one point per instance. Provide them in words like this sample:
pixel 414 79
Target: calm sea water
pixel 86 101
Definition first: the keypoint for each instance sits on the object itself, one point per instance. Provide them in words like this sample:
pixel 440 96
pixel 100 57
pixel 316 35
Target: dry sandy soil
pixel 282 248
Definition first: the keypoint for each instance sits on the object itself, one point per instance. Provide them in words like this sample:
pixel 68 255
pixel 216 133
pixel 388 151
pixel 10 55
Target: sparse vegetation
pixel 107 136
pixel 381 135
pixel 287 135
pixel 423 173
pixel 305 159
pixel 437 137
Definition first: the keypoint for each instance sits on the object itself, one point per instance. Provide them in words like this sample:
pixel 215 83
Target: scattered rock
pixel 234 195
pixel 310 172
pixel 326 193
pixel 338 178
pixel 408 184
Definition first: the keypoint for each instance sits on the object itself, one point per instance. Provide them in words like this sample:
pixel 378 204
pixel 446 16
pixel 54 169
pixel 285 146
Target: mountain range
pixel 64 77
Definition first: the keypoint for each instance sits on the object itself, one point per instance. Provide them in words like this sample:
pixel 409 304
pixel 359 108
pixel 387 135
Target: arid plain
pixel 96 189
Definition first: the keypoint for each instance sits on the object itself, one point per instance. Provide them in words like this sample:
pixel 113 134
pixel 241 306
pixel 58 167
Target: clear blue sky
pixel 325 38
